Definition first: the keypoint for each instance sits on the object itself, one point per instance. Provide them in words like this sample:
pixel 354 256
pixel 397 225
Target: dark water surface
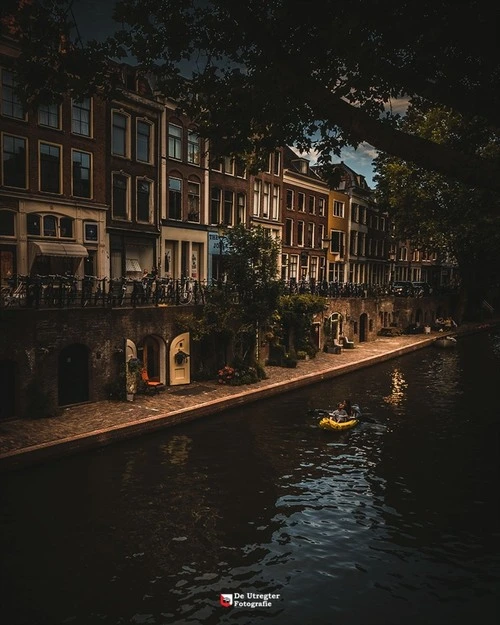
pixel 393 522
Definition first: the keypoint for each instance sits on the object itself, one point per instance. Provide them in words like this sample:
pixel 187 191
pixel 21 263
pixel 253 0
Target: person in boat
pixel 340 415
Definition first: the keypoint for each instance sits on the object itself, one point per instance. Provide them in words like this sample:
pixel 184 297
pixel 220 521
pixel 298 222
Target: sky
pixel 93 19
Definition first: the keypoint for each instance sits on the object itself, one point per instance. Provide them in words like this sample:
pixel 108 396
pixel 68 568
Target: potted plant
pixel 134 367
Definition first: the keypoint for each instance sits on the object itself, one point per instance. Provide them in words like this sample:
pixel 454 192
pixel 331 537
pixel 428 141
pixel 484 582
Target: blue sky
pixel 93 19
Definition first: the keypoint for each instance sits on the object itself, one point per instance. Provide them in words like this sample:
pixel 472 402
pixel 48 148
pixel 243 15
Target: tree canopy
pixel 320 75
pixel 439 214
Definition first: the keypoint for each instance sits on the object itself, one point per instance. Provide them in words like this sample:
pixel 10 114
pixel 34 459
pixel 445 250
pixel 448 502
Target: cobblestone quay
pixel 86 426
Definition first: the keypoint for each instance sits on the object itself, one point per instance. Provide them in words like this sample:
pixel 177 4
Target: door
pixel 73 375
pixel 179 360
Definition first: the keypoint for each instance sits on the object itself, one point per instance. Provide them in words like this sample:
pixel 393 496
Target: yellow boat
pixel 329 423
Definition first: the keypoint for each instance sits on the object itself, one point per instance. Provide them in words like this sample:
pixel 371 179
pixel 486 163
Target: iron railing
pixel 57 291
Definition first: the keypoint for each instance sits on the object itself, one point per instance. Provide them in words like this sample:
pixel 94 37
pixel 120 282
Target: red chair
pixel 151 385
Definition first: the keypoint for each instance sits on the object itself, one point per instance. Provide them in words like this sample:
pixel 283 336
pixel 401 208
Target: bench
pixel 347 343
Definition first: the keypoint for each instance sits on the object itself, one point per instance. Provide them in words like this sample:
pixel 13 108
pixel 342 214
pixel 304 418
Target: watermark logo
pixel 226 600
pixel 248 599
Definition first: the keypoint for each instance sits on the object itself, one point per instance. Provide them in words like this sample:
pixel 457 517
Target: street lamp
pixel 220 233
pixel 326 246
pixel 392 263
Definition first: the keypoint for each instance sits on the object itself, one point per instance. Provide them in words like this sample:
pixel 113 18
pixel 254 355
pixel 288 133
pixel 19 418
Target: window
pixel 228 208
pixel 80 117
pixel 354 212
pixel 215 206
pixel 143 147
pixel 312 204
pixel 337 242
pixel 119 134
pixel 11 105
pixel 50 168
pixel 144 200
pixel 362 214
pixel 228 164
pixel 193 155
pixel 338 209
pixel 14 168
pixel 257 190
pixel 49 226
pixel 48 115
pixel 175 141
pixel 289 232
pixel 174 198
pixel 91 232
pixel 293 264
pixel 310 234
pixel 277 163
pixel 33 224
pixel 7 223
pixel 241 201
pixel 275 203
pixel 66 227
pixel 81 163
pixel 289 199
pixel 267 199
pixel 321 207
pixel 194 201
pixel 120 196
pixel 240 169
pixel 302 202
pixel 300 233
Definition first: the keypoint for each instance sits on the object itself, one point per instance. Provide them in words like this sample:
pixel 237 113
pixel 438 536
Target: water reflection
pixel 398 389
pixel 391 522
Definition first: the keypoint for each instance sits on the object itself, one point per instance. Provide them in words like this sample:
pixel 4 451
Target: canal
pixel 395 521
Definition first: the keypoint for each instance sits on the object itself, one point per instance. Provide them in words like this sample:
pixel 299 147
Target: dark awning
pixel 56 248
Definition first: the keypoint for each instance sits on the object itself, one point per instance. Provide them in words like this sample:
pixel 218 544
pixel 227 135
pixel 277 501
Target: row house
pixel 53 200
pixel 367 232
pixel 184 180
pixel 338 229
pixel 305 220
pixel 133 126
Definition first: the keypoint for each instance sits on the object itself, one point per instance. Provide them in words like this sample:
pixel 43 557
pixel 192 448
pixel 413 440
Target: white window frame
pixel 150 183
pixel 127 196
pixel 26 160
pixel 60 148
pixel 73 152
pixel 150 125
pixel 74 106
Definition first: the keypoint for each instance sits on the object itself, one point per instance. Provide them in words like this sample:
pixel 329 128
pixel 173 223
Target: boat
pixel 445 341
pixel 328 419
pixel 329 423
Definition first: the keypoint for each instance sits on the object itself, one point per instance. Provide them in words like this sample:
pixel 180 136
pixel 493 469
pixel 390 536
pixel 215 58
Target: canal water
pixel 393 522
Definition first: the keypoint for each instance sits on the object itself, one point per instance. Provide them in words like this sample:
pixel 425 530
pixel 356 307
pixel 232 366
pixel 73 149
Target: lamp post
pixel 392 261
pixel 220 233
pixel 326 246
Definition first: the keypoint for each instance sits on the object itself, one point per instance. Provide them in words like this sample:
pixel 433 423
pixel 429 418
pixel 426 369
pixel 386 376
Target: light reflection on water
pixel 391 522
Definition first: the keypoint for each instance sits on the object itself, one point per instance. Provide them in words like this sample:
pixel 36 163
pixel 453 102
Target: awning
pixel 56 248
pixel 132 265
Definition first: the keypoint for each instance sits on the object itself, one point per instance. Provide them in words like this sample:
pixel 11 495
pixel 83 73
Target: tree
pixel 269 73
pixel 442 215
pixel 252 271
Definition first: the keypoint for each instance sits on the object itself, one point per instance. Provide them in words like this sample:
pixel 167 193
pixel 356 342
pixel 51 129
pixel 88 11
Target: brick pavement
pixel 25 441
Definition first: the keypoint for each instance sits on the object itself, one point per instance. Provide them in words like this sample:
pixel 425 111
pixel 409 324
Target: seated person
pixel 340 415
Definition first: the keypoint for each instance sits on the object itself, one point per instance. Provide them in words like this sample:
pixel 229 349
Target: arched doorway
pixel 73 375
pixel 153 354
pixel 363 327
pixel 8 382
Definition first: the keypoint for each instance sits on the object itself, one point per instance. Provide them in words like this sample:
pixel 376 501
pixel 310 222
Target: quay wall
pixel 34 343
